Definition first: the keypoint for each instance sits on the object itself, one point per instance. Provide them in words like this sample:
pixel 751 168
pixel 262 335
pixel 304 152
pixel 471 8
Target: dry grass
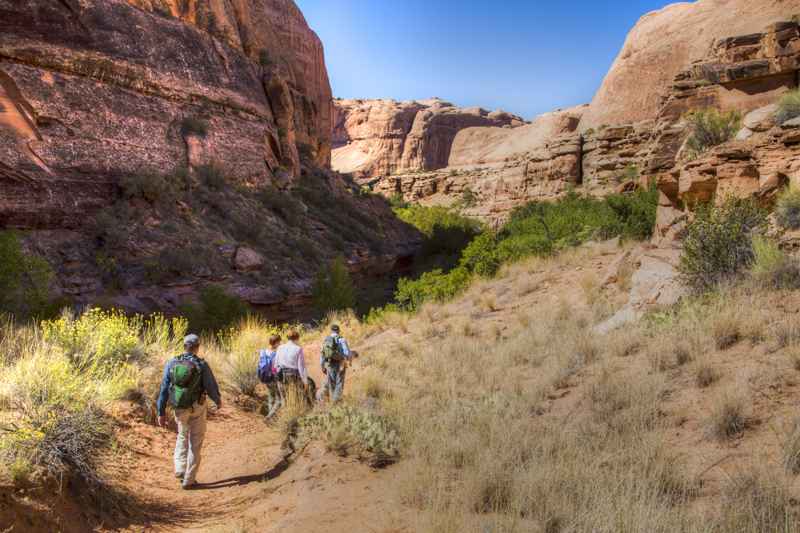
pixel 729 415
pixel 561 429
pixel 706 375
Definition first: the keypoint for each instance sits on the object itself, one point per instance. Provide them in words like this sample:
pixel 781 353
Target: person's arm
pixel 301 367
pixel 163 395
pixel 210 385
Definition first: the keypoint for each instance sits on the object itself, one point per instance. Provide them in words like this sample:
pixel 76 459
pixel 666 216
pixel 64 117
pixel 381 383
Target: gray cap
pixel 335 328
pixel 191 340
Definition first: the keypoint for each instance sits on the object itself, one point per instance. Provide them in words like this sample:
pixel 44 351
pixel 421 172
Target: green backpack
pixel 332 351
pixel 186 379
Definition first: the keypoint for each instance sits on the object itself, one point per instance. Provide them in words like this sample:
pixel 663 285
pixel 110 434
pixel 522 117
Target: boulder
pixel 247 260
pixel 762 119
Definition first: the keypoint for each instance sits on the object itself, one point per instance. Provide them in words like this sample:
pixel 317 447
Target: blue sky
pixel 524 56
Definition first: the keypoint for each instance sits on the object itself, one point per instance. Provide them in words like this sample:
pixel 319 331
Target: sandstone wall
pixel 94 92
pixel 661 45
pixel 375 138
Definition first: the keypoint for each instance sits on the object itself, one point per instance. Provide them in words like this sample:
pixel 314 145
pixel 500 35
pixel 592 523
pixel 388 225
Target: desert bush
pixel 24 280
pixel 150 186
pixel 434 286
pixel 718 246
pixel 333 288
pixel 211 176
pixel 352 430
pixel 706 375
pixel 101 344
pixel 772 268
pixel 215 310
pixel 709 128
pixel 446 232
pixel 788 106
pixel 728 417
pixel 787 208
pixel 194 126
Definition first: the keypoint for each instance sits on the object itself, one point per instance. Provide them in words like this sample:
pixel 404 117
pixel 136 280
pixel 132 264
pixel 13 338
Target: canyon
pixel 151 147
pixel 731 55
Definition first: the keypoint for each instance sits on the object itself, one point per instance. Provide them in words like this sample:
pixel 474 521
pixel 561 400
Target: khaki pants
pixel 191 433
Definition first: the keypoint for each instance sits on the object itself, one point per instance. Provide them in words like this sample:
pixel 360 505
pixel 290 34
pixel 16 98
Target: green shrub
pixel 718 246
pixel 789 106
pixel 431 286
pixel 773 268
pixel 24 280
pixel 194 126
pixel 333 288
pixel 480 256
pixel 100 344
pixel 211 176
pixel 149 186
pixel 636 212
pixel 542 228
pixel 347 429
pixel 709 128
pixel 215 310
pixel 787 208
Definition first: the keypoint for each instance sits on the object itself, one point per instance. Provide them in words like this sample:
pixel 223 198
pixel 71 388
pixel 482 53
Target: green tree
pixel 24 280
pixel 215 311
pixel 333 289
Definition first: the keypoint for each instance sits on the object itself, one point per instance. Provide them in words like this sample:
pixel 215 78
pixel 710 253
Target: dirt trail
pixel 247 484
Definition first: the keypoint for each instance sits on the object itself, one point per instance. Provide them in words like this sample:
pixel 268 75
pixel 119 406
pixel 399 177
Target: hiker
pixel 333 359
pixel 291 364
pixel 267 374
pixel 187 381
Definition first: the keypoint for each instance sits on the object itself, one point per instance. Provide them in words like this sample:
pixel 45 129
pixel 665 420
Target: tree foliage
pixel 333 288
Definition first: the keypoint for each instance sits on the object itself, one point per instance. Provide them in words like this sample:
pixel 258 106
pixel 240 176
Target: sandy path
pixel 247 485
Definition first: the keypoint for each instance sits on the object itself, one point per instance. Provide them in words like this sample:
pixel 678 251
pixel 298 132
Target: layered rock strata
pixel 381 137
pixel 226 102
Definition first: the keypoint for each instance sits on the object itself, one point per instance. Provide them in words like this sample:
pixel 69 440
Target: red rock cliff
pixel 149 146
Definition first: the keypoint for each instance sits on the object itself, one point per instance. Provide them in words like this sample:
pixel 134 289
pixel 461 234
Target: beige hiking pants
pixel 191 433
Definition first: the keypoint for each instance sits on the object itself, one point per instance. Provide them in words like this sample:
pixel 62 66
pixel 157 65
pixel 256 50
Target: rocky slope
pixel 141 138
pixel 373 138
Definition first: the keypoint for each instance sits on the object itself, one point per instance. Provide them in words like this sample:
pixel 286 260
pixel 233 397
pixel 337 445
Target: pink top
pixel 290 355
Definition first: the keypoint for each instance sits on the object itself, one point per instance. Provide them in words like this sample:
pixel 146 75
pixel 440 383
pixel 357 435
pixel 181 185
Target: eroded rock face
pixel 747 74
pixel 374 138
pixel 228 101
pixel 663 43
pixel 492 170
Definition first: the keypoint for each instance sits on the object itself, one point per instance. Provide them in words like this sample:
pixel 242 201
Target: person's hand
pixel 162 421
pixel 324 371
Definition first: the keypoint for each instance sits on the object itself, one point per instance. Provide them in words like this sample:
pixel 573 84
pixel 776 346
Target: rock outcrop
pixel 676 60
pixel 663 43
pixel 374 138
pixel 142 142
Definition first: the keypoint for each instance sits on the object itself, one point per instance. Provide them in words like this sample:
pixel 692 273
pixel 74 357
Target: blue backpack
pixel 265 360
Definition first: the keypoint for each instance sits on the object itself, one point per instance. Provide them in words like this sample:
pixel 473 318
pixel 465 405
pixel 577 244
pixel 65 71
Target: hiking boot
pixel 189 485
pixel 179 475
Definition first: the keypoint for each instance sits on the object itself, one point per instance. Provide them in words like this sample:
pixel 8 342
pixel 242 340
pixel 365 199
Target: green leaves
pixel 718 246
pixel 333 289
